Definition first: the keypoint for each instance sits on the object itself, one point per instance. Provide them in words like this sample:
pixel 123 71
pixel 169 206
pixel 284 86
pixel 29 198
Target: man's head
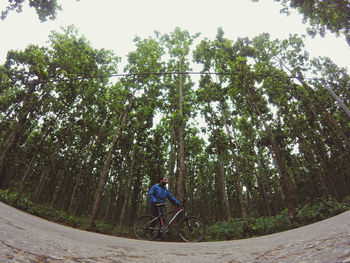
pixel 162 181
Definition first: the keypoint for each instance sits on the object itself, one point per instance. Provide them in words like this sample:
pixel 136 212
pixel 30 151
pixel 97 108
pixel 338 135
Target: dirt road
pixel 26 238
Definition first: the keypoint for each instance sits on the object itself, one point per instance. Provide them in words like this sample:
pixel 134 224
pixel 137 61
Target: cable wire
pixel 172 73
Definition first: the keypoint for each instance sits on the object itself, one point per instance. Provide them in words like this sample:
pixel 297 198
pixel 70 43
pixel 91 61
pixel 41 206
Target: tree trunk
pixel 263 191
pixel 79 178
pixel 181 191
pixel 41 183
pixel 58 182
pixel 11 140
pixel 237 170
pixel 60 202
pixel 46 172
pixel 284 177
pixel 26 173
pixel 266 183
pixel 30 167
pixel 107 165
pixel 340 130
pixel 172 159
pixel 128 185
pixel 110 211
pixel 300 78
pixel 222 184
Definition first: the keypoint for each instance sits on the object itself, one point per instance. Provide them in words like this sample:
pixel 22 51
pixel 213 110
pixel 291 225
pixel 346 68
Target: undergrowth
pixel 265 225
pixel 225 230
pixel 46 211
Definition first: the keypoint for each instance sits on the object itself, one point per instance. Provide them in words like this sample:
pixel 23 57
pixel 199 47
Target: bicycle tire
pixel 191 229
pixel 146 228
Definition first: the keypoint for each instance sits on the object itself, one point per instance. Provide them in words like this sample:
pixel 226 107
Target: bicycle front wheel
pixel 191 229
pixel 146 227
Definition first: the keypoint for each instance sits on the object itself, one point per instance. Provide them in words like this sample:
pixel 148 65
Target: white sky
pixel 113 24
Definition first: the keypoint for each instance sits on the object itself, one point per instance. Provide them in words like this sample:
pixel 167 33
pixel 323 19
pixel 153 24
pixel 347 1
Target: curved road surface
pixel 26 238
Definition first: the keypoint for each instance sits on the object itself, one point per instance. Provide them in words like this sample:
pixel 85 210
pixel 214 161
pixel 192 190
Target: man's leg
pixel 162 212
pixel 153 210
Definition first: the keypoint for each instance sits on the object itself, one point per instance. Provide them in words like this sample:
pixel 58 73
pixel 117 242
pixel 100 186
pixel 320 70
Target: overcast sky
pixel 113 24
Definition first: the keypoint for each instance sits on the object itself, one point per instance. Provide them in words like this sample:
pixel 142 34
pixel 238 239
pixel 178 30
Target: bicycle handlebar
pixel 181 204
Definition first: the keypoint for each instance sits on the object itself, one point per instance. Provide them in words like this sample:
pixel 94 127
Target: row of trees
pixel 261 135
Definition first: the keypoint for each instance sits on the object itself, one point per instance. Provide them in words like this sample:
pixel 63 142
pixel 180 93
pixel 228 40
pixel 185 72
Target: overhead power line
pixel 170 73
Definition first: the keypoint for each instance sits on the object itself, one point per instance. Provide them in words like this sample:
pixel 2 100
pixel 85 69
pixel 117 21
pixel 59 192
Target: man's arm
pixel 172 199
pixel 151 194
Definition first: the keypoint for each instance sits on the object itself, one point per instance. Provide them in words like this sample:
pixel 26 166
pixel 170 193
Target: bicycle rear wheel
pixel 146 227
pixel 191 229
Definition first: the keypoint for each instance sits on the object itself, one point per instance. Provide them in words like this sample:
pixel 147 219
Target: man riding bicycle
pixel 157 198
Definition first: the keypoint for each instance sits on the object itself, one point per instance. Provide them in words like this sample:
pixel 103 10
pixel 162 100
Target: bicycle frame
pixel 177 213
pixel 190 228
pixel 175 216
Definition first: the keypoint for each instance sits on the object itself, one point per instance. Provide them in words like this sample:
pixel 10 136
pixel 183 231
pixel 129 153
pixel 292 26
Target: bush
pixel 43 210
pixel 6 196
pixel 321 210
pixel 346 203
pixel 225 230
pixel 268 225
pixel 78 222
pixel 10 198
pixel 104 228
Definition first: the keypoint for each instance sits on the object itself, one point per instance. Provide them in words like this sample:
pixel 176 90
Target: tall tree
pixel 145 59
pixel 212 55
pixel 116 136
pixel 32 86
pixel 178 44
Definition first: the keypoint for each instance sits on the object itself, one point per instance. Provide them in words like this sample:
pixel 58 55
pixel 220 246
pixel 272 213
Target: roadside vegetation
pixel 224 230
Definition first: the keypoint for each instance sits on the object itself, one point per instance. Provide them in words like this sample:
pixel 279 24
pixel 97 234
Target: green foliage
pixel 268 225
pixel 346 203
pixel 48 212
pixel 321 210
pixel 8 197
pixel 44 9
pixel 322 15
pixel 104 228
pixel 273 224
pixel 223 230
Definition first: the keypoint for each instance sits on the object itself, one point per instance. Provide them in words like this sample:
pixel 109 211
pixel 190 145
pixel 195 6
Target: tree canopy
pixel 322 15
pixel 261 136
pixel 46 9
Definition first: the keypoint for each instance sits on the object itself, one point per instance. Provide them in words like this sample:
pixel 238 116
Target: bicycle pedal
pixel 164 230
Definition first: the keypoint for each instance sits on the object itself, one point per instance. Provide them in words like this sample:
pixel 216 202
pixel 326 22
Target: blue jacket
pixel 160 194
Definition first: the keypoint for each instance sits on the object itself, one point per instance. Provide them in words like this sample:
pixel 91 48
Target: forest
pixel 245 128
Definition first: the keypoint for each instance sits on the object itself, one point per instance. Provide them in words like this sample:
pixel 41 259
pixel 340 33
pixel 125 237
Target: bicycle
pixel 149 227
